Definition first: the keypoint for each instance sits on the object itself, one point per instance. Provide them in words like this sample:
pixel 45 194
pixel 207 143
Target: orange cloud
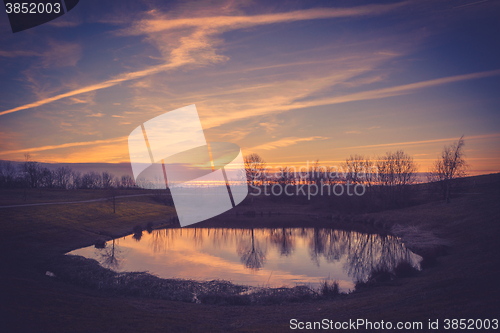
pixel 198 47
pixel 65 145
pixel 158 22
pixel 286 142
pixel 61 54
pixel 278 105
pixel 475 137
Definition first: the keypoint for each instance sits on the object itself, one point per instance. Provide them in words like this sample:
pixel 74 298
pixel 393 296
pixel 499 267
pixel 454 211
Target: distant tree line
pixel 32 174
pixel 390 176
pixel 386 178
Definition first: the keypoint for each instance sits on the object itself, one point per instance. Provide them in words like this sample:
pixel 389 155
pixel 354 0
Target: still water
pixel 256 257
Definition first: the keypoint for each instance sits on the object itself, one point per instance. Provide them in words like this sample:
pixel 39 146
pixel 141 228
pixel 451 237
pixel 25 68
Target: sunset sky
pixel 298 81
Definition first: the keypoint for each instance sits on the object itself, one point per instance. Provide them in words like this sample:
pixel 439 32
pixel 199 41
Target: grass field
pixel 463 284
pixel 43 195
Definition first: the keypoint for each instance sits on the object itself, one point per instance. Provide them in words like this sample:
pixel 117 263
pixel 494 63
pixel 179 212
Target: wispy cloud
pixel 95 115
pixel 9 140
pixel 411 143
pixel 285 142
pixel 470 4
pixel 58 54
pixel 68 23
pixel 158 22
pixel 198 47
pixel 18 53
pixel 106 84
pixel 61 54
pixel 269 126
pixel 276 105
pixel 65 145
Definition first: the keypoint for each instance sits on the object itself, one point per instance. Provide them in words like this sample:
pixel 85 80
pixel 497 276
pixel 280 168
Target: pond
pixel 255 257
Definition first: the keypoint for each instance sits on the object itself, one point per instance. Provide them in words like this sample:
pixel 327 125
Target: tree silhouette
pixel 451 165
pixel 396 172
pixel 251 254
pixel 110 256
pixel 284 239
pixel 254 168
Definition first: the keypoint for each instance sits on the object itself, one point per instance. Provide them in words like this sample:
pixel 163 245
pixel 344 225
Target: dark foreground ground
pixel 463 284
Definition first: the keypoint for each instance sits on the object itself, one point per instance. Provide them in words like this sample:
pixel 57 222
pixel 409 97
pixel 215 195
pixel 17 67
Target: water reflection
pixel 251 256
pixel 252 253
pixel 110 256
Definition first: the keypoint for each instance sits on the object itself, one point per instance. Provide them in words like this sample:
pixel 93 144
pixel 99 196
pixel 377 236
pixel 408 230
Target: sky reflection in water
pixel 257 257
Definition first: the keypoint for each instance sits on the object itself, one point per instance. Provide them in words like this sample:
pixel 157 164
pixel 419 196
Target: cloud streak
pixel 286 142
pixel 65 145
pixel 159 23
pixel 410 143
pixel 287 105
pixel 197 47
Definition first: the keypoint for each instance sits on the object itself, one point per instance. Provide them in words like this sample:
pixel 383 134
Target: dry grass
pixel 21 196
pixel 329 288
pixel 462 284
pixel 418 239
pixel 87 273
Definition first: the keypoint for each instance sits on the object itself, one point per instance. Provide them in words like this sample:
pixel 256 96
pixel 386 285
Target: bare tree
pixel 91 180
pixel 107 180
pixel 47 178
pixel 396 171
pixel 317 173
pixel 8 174
pixel 111 194
pixel 285 176
pixel 127 181
pixel 110 256
pixel 254 167
pixel 76 180
pixel 449 166
pixel 284 239
pixel 354 169
pixel 31 172
pixel 62 177
pixel 252 255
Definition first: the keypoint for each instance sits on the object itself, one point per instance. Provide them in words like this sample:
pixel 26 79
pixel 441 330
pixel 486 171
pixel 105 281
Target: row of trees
pixel 31 174
pixel 391 174
pixel 395 168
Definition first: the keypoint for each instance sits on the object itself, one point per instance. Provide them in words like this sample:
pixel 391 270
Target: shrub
pixel 329 288
pixel 405 269
pixel 100 244
pixel 149 227
pixel 428 261
pixel 360 284
pixel 381 274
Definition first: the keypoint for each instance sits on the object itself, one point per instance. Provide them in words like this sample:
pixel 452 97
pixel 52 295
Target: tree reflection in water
pixel 251 253
pixel 284 240
pixel 110 256
pixel 360 252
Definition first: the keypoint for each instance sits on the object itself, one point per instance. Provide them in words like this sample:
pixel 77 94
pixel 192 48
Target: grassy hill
pixel 463 283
